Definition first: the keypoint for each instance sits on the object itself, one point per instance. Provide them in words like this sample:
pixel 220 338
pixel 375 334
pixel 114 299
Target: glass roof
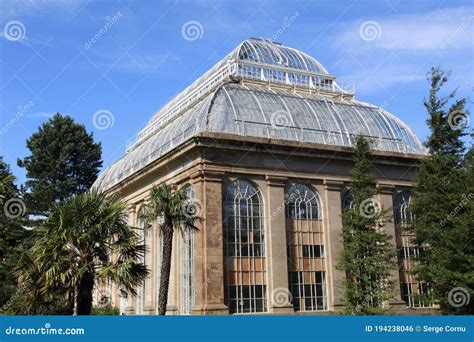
pixel 271 53
pixel 275 114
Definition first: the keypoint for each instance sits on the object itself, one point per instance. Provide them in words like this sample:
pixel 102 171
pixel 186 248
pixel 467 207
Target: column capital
pixel 386 188
pixel 276 180
pixel 333 185
pixel 213 176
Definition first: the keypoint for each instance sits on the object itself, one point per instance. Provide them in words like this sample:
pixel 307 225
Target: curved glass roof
pixel 275 114
pixel 263 89
pixel 267 52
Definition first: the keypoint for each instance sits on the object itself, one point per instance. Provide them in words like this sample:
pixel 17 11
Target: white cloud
pixel 447 28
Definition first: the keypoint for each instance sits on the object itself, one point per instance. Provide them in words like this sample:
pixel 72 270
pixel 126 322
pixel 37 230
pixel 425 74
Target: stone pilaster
pixel 209 258
pixel 276 256
pixel 333 230
pixel 385 197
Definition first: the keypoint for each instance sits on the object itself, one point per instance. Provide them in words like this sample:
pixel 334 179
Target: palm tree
pixel 87 240
pixel 175 211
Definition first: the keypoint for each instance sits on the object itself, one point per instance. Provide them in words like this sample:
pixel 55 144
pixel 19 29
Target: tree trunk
pixel 165 267
pixel 84 302
pixel 76 296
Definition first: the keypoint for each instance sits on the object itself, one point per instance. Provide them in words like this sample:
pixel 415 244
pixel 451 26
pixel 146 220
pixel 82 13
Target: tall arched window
pixel 402 201
pixel 187 264
pixel 410 287
pixel 306 252
pixel 244 248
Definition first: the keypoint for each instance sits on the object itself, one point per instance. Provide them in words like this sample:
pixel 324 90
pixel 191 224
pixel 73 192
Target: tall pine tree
pixel 443 202
pixel 368 256
pixel 64 160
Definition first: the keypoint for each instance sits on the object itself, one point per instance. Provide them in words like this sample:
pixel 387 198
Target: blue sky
pixel 49 63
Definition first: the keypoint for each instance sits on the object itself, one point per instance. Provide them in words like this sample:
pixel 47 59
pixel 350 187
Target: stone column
pixel 333 230
pixel 209 244
pixel 276 245
pixel 385 197
pixel 131 300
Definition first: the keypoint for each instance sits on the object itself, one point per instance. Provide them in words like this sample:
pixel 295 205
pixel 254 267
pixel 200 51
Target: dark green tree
pixel 442 203
pixel 12 236
pixel 64 161
pixel 368 257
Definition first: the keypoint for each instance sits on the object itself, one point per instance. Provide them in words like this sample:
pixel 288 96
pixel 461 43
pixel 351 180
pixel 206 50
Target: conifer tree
pixel 64 161
pixel 442 204
pixel 368 256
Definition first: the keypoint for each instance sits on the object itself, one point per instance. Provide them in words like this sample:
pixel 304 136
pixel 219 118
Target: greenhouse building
pixel 264 139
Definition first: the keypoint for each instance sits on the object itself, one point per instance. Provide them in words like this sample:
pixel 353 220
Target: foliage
pixel 64 161
pixel 368 256
pixel 12 236
pixel 85 240
pixel 174 210
pixel 442 203
pixel 105 311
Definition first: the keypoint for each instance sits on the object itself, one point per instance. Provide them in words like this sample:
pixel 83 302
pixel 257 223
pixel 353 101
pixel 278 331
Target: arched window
pixel 402 201
pixel 410 287
pixel 244 248
pixel 306 252
pixel 187 265
pixel 302 203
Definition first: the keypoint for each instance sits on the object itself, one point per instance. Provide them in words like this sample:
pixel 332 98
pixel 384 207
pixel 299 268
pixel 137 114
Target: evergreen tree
pixel 442 203
pixel 64 161
pixel 368 256
pixel 12 235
